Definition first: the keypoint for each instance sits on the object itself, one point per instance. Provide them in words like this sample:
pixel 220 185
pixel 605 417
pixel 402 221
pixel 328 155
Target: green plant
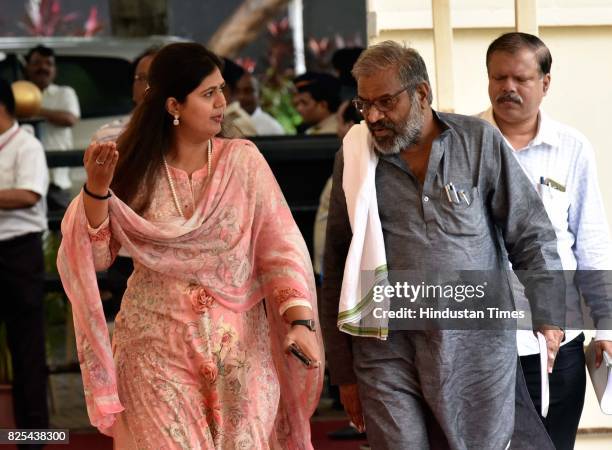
pixel 276 84
pixel 276 99
pixel 56 303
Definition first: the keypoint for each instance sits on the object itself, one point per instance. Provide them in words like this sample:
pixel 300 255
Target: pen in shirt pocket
pixel 464 197
pixel 454 192
pixel 455 196
pixel 552 184
pixel 448 195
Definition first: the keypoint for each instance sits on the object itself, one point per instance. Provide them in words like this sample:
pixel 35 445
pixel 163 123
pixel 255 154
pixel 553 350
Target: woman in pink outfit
pixel 198 360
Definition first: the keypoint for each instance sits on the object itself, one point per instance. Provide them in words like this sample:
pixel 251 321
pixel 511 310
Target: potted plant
pixel 6 388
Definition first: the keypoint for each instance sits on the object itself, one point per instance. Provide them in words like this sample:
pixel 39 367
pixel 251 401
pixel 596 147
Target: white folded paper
pixel 601 377
pixel 545 390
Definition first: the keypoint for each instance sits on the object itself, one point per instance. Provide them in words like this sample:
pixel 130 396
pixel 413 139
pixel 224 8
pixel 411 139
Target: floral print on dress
pixel 201 300
pixel 191 372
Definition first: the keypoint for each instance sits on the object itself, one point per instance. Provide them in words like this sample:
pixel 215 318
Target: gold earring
pixel 175 122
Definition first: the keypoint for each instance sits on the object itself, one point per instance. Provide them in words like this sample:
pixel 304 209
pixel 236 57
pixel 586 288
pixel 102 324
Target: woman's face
pixel 202 111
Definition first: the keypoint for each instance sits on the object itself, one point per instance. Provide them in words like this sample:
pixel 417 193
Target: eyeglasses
pixel 383 104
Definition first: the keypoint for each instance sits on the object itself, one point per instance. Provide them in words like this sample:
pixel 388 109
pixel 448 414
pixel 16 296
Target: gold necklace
pixel 171 181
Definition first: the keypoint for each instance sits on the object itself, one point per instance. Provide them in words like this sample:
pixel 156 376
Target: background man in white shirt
pixel 560 162
pixel 316 99
pixel 60 109
pixel 23 186
pixel 237 122
pixel 247 93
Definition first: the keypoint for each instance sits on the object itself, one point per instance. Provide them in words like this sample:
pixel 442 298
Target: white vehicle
pixel 99 70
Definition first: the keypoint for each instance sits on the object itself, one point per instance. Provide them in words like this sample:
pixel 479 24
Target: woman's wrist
pixel 297 313
pixel 96 192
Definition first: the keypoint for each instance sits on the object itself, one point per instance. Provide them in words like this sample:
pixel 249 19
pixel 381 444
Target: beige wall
pixel 581 87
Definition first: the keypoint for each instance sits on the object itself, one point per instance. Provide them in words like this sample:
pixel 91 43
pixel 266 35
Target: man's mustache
pixel 381 125
pixel 509 97
pixel 42 72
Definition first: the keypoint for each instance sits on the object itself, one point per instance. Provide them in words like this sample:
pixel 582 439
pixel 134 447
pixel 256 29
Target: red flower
pixel 247 64
pixel 209 371
pixel 227 337
pixel 200 300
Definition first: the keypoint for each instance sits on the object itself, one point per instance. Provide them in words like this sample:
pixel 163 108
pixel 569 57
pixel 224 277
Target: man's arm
pixel 59 118
pixel 17 198
pixel 528 235
pixel 337 242
pixel 592 246
pixel 67 110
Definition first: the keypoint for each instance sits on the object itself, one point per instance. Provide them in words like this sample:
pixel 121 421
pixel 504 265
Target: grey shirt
pixel 423 231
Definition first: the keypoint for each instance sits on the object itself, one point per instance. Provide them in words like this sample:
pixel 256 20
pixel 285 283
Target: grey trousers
pixel 438 389
pixel 529 431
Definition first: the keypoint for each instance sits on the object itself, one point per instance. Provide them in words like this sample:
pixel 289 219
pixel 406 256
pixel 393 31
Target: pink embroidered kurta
pixel 197 358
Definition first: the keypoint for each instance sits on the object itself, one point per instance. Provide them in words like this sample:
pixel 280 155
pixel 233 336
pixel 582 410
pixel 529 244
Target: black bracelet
pixel 97 197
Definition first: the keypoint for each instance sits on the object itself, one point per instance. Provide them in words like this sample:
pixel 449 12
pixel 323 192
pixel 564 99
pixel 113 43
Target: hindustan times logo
pixel 412 292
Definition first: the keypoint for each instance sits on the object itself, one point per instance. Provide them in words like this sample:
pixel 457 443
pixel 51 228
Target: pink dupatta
pixel 241 244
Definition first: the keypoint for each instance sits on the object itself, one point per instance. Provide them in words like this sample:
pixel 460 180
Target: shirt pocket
pixel 7 173
pixel 463 218
pixel 557 206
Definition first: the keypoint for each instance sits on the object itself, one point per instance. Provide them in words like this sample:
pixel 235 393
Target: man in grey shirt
pixel 436 388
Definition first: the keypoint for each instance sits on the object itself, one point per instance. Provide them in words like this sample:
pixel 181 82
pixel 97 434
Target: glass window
pixel 9 68
pixel 103 85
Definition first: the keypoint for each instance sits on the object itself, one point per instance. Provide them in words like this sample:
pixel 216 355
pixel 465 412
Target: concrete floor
pixel 68 411
pixel 594 442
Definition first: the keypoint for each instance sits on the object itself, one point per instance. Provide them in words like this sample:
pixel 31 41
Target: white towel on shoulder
pixel 366 262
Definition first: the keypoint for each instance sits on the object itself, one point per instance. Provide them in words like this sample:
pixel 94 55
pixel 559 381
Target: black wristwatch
pixel 308 323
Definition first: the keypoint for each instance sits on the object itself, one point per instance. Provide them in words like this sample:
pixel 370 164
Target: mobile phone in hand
pixel 299 354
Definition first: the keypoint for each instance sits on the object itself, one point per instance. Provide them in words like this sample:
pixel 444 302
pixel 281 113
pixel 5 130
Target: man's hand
pixel 600 347
pixel 554 336
pixel 349 396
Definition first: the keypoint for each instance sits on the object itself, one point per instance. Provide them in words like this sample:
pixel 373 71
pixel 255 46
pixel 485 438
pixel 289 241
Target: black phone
pixel 299 354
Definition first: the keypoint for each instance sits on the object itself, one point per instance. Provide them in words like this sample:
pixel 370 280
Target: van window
pixel 9 68
pixel 103 84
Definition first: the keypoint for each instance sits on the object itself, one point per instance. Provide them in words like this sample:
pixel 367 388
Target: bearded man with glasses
pixel 419 190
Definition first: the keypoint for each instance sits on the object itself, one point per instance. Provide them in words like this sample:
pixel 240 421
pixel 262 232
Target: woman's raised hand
pixel 100 161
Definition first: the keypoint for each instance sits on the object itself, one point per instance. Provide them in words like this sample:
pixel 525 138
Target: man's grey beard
pixel 409 135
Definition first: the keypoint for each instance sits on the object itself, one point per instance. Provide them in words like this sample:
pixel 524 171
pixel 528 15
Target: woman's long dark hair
pixel 176 71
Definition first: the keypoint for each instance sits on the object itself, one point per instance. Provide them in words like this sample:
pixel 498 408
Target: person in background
pixel 61 111
pixel 23 218
pixel 140 81
pixel 247 93
pixel 317 99
pixel 236 121
pixel 347 117
pixel 560 163
pixel 343 61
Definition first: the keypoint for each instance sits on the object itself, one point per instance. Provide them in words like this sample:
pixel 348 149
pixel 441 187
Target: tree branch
pixel 244 25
